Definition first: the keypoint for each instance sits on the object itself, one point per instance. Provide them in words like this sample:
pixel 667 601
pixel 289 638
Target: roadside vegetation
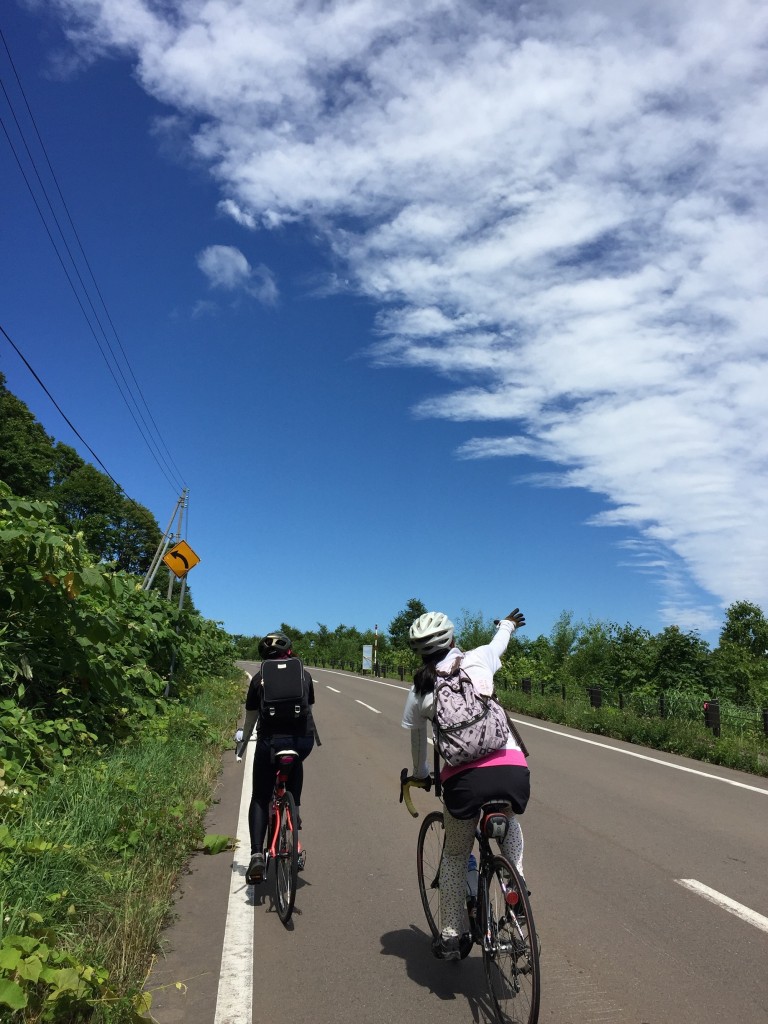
pixel 115 706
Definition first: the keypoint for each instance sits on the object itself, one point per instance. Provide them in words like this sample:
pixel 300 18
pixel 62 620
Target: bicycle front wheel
pixel 429 853
pixel 510 946
pixel 286 858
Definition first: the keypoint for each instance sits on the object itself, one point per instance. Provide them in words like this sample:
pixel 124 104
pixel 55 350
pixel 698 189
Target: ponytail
pixel 425 676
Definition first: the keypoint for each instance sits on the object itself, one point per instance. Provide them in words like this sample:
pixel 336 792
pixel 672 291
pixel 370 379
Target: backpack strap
pixel 455 669
pixel 513 728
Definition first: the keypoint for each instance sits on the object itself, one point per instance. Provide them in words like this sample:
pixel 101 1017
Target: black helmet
pixel 273 645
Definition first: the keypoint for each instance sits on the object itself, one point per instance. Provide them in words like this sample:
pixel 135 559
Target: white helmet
pixel 431 632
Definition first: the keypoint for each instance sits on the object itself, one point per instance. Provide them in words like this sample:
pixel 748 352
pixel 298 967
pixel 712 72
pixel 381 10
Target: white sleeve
pixel 500 640
pixel 411 711
pixel 414 719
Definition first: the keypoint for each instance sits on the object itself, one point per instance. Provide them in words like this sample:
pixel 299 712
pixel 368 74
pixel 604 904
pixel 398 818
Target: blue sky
pixel 426 299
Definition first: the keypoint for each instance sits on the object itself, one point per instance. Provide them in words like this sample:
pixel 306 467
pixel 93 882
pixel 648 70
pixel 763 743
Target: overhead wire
pixel 166 465
pixel 64 416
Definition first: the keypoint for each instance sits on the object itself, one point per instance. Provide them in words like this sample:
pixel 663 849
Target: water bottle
pixel 472 891
pixel 472 877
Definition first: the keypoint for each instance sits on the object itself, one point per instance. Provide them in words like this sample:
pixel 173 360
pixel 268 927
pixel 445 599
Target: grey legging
pixel 459 837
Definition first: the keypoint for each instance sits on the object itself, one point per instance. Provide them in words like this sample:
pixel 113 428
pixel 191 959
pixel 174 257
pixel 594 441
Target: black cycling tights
pixel 264 780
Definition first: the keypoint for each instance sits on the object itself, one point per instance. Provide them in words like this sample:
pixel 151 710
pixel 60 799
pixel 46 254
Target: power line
pixel 64 416
pixel 145 430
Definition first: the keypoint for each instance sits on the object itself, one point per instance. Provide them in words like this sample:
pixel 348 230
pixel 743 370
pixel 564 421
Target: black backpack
pixel 285 694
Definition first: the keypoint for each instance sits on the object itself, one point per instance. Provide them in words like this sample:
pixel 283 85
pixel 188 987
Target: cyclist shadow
pixel 264 895
pixel 447 980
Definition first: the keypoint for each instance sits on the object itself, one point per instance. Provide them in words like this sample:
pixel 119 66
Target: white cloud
pixel 227 268
pixel 564 205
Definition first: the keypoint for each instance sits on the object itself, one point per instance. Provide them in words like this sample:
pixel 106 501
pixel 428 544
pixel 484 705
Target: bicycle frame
pixel 285 763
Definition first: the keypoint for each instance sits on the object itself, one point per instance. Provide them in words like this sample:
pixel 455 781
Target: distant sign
pixel 367 656
pixel 180 559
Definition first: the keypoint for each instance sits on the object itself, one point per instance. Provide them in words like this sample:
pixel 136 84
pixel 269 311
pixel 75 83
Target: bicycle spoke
pixel 510 946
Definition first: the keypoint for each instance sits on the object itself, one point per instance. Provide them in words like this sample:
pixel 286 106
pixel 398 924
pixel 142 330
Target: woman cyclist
pixel 501 775
pixel 301 738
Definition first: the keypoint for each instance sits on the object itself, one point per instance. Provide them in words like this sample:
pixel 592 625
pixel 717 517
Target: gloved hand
pixel 516 617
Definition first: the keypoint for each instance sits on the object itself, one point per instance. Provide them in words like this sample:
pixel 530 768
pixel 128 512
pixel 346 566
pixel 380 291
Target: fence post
pixel 712 716
pixel 765 721
pixel 526 684
pixel 595 696
pixel 662 706
pixel 621 701
pixel 542 688
pixel 562 691
pixel 401 671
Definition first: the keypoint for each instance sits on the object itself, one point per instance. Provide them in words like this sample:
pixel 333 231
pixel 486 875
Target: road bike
pixel 283 833
pixel 499 916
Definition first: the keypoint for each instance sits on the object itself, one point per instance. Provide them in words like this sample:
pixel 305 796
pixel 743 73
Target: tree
pixel 472 630
pixel 679 660
pixel 740 663
pixel 26 451
pixel 745 626
pixel 402 622
pixel 115 529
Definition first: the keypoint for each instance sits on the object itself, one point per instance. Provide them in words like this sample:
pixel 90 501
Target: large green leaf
pixel 12 995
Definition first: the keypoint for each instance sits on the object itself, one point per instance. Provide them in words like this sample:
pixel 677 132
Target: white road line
pixel 375 710
pixel 331 688
pixel 751 916
pixel 367 679
pixel 644 757
pixel 234 1001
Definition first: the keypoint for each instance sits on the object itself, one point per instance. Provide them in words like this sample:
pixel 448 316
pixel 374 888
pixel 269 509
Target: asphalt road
pixel 612 831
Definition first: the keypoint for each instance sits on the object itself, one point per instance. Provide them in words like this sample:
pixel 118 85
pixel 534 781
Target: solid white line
pixel 235 996
pixel 644 757
pixel 751 916
pixel 375 711
pixel 366 679
pixel 331 688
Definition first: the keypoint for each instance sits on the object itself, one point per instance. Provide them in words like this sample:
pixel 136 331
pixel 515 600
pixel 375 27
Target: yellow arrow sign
pixel 180 559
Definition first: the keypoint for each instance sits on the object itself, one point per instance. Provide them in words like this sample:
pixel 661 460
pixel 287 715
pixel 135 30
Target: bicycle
pixel 500 920
pixel 283 834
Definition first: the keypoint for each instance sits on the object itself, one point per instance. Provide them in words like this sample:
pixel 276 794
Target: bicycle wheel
pixel 429 853
pixel 286 859
pixel 510 946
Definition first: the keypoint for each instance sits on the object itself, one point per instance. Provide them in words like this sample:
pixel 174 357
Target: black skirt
pixel 464 793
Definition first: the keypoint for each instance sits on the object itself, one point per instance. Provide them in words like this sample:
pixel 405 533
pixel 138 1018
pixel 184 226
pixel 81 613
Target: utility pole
pixel 183 501
pixel 164 544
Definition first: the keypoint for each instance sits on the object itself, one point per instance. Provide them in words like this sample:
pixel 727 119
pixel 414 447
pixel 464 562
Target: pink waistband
pixel 497 759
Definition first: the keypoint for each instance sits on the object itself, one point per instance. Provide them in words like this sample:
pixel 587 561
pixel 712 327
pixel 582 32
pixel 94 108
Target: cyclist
pixel 269 739
pixel 502 774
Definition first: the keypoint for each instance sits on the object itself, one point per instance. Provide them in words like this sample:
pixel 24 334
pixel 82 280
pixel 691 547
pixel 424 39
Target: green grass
pixel 96 853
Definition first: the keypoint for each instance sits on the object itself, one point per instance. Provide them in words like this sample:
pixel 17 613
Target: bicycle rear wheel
pixel 286 858
pixel 510 946
pixel 429 853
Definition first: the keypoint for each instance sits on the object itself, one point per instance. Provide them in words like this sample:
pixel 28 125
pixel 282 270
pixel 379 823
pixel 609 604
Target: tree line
pixel 621 659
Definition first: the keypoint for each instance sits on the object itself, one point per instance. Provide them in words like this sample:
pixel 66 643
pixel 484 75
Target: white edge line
pixel 332 689
pixel 644 757
pixel 375 710
pixel 234 1000
pixel 751 916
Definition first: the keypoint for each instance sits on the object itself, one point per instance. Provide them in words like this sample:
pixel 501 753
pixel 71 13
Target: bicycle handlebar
pixel 406 782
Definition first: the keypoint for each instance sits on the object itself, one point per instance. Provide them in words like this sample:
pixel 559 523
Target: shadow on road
pixel 455 979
